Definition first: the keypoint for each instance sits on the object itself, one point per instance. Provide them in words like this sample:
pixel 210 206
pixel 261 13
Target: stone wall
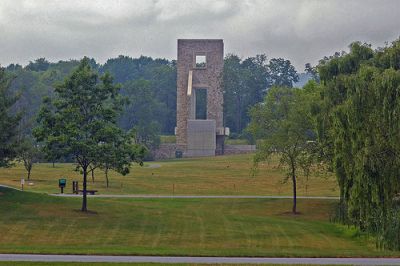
pixel 239 149
pixel 167 150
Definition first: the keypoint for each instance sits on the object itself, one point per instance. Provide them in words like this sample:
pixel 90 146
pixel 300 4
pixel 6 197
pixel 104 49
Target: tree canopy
pixel 8 121
pixel 283 126
pixel 358 127
pixel 246 83
pixel 81 121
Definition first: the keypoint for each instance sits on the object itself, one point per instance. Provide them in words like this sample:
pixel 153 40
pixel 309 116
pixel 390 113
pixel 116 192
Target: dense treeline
pixel 150 88
pixel 38 79
pixel 246 82
pixel 8 122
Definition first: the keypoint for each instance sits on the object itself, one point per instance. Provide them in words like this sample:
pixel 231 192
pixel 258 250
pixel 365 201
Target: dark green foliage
pixel 359 128
pixel 282 72
pixel 81 121
pixel 312 71
pixel 33 86
pixel 13 67
pixel 246 82
pixel 160 75
pixel 142 113
pixel 8 122
pixel 40 64
pixel 125 68
pixel 37 79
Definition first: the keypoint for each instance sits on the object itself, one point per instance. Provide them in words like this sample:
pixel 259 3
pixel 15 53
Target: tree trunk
pixel 341 204
pixel 53 164
pixel 92 174
pixel 294 195
pixel 29 174
pixel 238 114
pixel 294 210
pixel 106 172
pixel 84 200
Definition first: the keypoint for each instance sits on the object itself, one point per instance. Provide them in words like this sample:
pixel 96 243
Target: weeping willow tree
pixel 359 127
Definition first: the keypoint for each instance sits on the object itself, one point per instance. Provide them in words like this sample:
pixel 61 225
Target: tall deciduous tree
pixel 82 120
pixel 282 72
pixel 8 122
pixel 284 128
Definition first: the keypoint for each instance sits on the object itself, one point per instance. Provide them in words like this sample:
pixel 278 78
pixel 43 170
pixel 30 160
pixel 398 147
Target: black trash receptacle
pixel 75 188
pixel 178 154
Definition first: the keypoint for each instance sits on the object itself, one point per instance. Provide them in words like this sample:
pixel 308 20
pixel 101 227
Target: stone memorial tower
pixel 200 130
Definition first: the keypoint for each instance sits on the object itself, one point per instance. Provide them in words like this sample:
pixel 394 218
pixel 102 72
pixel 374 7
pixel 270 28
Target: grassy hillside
pixel 222 175
pixel 37 223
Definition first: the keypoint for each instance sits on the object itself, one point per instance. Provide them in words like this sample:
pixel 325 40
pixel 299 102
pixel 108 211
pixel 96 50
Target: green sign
pixel 62 182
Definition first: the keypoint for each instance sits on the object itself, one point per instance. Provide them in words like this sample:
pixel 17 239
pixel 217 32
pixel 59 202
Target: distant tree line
pixel 246 83
pixel 150 88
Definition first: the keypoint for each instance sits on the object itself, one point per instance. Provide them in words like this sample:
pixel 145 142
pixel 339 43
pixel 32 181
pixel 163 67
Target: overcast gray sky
pixel 301 31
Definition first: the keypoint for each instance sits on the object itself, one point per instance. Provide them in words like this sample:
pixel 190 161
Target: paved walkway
pixel 194 196
pixel 209 260
pixel 9 187
pixel 153 196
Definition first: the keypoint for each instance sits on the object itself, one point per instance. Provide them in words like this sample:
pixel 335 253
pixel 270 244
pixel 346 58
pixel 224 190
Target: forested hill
pixel 150 86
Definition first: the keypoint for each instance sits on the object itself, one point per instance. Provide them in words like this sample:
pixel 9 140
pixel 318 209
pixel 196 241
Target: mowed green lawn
pixel 38 223
pixel 221 175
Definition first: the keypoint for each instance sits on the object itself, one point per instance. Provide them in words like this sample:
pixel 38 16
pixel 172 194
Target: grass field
pixel 38 223
pixel 222 175
pixel 168 139
pixel 236 142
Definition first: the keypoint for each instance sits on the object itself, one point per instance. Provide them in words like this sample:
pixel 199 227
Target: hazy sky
pixel 302 31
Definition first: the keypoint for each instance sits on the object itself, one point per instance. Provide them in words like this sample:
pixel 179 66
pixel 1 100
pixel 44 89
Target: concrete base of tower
pixel 201 138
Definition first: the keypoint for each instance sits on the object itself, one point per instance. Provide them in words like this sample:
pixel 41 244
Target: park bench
pixel 91 192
